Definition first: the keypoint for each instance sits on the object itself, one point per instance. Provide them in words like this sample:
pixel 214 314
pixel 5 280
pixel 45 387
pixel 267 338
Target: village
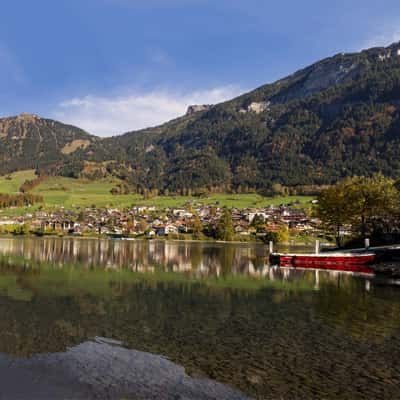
pixel 193 221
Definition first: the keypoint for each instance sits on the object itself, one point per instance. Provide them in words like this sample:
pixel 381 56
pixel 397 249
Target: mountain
pixel 30 142
pixel 336 118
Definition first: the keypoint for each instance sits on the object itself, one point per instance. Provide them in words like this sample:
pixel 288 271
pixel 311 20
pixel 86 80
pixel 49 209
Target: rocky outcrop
pixel 256 107
pixel 28 117
pixel 197 108
pixel 389 53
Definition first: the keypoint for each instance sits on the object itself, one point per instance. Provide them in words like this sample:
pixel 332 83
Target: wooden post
pixel 271 247
pixel 367 244
pixel 317 247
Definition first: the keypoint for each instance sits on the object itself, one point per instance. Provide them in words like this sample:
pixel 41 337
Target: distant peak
pixel 28 117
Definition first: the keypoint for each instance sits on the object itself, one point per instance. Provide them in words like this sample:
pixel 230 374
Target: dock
pixel 383 253
pixel 380 260
pixel 387 262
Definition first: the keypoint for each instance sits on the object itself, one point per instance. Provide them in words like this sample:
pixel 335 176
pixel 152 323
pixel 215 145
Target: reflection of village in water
pixel 258 328
pixel 195 259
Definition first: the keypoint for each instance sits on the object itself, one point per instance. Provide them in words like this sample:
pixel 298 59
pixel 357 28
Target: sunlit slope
pixel 11 184
pixel 68 192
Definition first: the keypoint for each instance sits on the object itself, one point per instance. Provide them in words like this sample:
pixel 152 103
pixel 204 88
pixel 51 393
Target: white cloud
pixel 107 116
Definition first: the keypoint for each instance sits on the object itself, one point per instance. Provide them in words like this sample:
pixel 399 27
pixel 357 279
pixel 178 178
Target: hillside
pixel 336 118
pixel 30 142
pixel 71 193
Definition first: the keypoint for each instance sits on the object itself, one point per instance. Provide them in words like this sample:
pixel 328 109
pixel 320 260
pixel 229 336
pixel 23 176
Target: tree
pixel 258 222
pixel 81 216
pixel 197 226
pixel 20 229
pixel 278 189
pixel 369 205
pixel 225 230
pixel 374 202
pixel 19 200
pixel 143 226
pixel 283 234
pixel 334 210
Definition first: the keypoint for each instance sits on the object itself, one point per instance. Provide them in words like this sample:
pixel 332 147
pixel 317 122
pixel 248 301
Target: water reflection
pixel 195 258
pixel 219 311
pixel 141 256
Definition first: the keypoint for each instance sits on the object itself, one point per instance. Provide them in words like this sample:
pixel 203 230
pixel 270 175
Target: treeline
pixel 361 207
pixel 30 184
pixel 271 190
pixel 19 200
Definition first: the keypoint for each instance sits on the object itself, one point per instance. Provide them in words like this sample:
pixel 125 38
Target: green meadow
pixel 10 184
pixel 71 193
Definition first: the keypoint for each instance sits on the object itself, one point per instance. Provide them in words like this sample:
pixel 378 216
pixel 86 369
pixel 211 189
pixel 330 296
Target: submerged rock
pixel 98 370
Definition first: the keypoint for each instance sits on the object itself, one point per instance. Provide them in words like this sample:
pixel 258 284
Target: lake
pixel 87 318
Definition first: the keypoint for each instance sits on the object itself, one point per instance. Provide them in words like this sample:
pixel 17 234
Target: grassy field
pixel 12 185
pixel 67 192
pixel 71 193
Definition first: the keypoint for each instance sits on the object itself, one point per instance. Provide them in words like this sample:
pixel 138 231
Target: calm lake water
pixel 167 320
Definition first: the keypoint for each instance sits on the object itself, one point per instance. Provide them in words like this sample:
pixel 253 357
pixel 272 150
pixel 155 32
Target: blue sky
pixel 111 66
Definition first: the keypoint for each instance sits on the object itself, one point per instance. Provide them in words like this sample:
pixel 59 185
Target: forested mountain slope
pixel 336 118
pixel 339 117
pixel 28 141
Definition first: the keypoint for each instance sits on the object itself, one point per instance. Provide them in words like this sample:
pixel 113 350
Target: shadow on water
pixel 219 311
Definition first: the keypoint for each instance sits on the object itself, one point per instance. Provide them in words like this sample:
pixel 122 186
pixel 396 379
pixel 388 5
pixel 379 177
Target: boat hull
pixel 300 260
pixel 349 263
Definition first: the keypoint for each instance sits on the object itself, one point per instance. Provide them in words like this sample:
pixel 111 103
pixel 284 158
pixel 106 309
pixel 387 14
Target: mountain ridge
pixel 335 118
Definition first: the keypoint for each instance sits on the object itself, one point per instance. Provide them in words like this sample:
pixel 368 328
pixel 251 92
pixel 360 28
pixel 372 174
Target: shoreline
pixel 158 239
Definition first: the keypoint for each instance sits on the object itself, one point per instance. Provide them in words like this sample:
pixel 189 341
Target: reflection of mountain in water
pixel 97 370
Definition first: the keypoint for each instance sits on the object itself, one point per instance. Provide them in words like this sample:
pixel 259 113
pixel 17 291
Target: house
pixel 252 215
pixel 171 229
pixel 240 230
pixel 165 230
pixel 9 222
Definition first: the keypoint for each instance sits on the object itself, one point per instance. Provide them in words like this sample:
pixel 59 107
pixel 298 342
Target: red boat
pixel 321 260
pixel 353 268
